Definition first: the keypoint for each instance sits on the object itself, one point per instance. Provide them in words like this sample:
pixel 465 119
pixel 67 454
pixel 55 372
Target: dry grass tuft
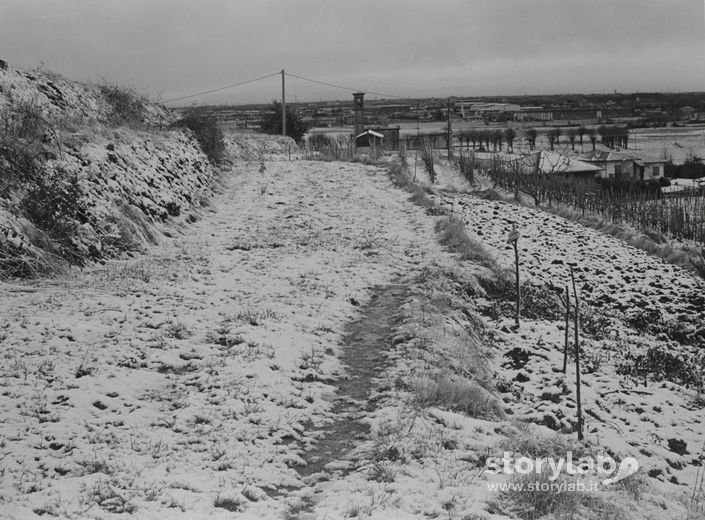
pixel 524 439
pixel 456 394
pixel 453 235
pixel 537 496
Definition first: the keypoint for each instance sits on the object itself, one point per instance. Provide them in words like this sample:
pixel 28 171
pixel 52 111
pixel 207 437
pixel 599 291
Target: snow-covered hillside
pixel 132 170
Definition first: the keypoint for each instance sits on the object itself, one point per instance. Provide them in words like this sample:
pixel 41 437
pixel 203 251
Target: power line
pixel 234 85
pixel 222 88
pixel 344 88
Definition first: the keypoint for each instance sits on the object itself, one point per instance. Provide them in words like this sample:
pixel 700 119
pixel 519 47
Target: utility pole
pixel 283 105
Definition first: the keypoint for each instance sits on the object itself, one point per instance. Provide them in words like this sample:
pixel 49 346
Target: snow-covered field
pixel 612 275
pixel 642 303
pixel 278 358
pixel 675 143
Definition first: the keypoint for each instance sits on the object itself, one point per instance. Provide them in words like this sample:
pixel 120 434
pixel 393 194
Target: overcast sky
pixel 171 48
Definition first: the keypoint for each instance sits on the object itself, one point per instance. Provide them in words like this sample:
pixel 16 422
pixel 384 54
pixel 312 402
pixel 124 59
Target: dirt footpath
pixel 189 381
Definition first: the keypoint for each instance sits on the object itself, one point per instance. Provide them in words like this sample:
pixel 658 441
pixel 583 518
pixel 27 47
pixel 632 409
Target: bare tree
pixel 581 132
pixel 531 134
pixel 510 134
pixel 485 138
pixel 472 137
pixel 497 140
pixel 572 133
pixel 554 135
pixel 604 133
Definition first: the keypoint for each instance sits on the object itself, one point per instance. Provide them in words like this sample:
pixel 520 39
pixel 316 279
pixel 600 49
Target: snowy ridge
pixel 131 175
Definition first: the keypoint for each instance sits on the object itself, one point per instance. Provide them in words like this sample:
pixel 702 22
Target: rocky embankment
pixel 90 171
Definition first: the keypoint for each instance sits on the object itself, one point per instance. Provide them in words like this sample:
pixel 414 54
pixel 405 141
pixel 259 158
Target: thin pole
pixel 283 104
pixel 450 134
pixel 577 359
pixel 516 260
pixel 567 328
pixel 418 144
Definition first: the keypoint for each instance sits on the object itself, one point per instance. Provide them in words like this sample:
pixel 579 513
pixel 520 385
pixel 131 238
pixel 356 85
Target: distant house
pixel 554 163
pixel 544 163
pixel 390 136
pixel 494 111
pixel 626 166
pixel 650 168
pixel 369 138
pixel 533 113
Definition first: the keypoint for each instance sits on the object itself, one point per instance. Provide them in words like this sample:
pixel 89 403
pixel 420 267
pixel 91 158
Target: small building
pixel 504 111
pixel 554 163
pixel 390 135
pixel 369 138
pixel 533 113
pixel 651 168
pixel 627 166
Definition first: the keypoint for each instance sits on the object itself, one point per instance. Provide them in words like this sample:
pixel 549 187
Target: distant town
pixel 634 110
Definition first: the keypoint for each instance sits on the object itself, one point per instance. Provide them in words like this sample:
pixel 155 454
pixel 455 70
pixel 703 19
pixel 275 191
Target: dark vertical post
pixel 514 240
pixel 577 360
pixel 450 133
pixel 418 144
pixel 516 261
pixel 567 328
pixel 283 105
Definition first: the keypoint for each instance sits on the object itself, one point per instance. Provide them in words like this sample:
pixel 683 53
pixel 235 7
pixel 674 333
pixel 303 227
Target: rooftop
pixel 554 162
pixel 617 155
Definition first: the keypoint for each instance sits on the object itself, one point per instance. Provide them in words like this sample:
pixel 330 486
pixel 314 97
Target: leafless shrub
pixel 177 330
pixel 126 105
pixel 427 158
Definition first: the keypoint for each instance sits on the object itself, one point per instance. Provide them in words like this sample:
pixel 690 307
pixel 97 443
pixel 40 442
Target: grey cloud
pixel 412 47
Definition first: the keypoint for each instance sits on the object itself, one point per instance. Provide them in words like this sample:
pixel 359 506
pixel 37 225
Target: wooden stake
pixel 516 261
pixel 567 328
pixel 283 104
pixel 577 359
pixel 450 133
pixel 514 240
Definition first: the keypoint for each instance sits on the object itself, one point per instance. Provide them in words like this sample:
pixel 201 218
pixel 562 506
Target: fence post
pixel 567 328
pixel 514 240
pixel 577 359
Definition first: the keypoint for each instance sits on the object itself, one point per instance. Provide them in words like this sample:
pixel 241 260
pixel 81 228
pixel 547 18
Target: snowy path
pixel 365 348
pixel 185 383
